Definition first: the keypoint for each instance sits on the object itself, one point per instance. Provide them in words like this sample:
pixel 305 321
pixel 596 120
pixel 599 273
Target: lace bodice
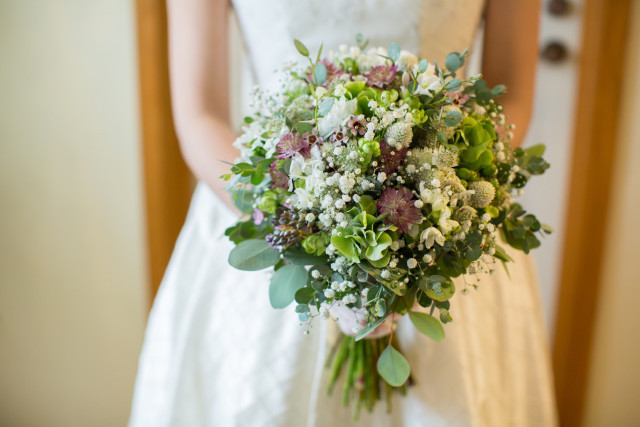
pixel 431 27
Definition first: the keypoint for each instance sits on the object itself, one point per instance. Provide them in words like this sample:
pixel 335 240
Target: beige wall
pixel 614 390
pixel 72 302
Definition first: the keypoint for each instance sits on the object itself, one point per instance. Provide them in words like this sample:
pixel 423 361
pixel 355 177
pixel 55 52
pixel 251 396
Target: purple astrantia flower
pixel 390 157
pixel 399 204
pixel 290 144
pixel 278 178
pixel 381 75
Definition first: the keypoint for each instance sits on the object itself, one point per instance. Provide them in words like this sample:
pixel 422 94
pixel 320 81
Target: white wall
pixel 72 267
pixel 614 386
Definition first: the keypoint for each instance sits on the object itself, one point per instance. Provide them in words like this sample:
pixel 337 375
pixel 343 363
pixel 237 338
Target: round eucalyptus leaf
pixel 253 255
pixel 428 325
pixel 393 367
pixel 285 283
pixel 453 61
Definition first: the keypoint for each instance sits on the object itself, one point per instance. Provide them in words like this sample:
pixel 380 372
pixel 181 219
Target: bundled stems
pixel 362 382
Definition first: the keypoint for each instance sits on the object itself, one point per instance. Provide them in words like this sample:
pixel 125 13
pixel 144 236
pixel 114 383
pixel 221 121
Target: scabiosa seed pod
pixel 484 194
pixel 399 133
pixel 465 213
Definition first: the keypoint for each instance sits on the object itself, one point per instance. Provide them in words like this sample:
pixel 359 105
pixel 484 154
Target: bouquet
pixel 369 181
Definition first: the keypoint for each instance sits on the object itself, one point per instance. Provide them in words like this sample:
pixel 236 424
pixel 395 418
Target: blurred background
pixel 93 194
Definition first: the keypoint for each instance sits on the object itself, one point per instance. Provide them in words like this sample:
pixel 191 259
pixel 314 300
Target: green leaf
pixel 368 205
pixel 319 73
pixel 305 295
pixel 253 255
pixel 436 289
pixel 453 61
pixel 302 127
pixel 301 48
pixel 428 325
pixel 453 85
pixel 301 257
pixel 346 247
pixel 535 150
pixel 243 200
pixel 319 52
pixel 422 66
pixel 501 254
pixel 325 106
pixel 452 118
pixel 394 52
pixel 285 283
pixel 393 367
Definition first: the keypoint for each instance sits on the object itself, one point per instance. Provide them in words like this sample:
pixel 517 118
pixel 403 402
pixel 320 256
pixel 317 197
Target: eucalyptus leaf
pixel 301 257
pixel 394 52
pixel 301 48
pixel 319 73
pixel 253 255
pixel 285 283
pixel 305 295
pixel 452 118
pixel 422 66
pixel 325 106
pixel 428 325
pixel 393 367
pixel 453 61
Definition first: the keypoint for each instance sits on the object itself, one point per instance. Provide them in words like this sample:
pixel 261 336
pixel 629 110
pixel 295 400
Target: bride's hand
pixel 348 319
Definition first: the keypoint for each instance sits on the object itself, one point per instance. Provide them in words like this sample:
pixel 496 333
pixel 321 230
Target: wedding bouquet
pixel 369 181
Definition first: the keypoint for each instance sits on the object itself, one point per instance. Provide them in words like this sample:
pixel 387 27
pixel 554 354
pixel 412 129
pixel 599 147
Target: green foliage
pixel 394 52
pixel 393 367
pixel 319 74
pixel 454 61
pixel 300 256
pixel 519 229
pixel 253 255
pixel 428 325
pixel 285 283
pixel 302 49
pixel 316 244
pixel 325 106
pixel 437 287
pixel 364 237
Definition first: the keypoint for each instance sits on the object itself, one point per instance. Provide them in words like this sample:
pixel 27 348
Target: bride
pixel 216 353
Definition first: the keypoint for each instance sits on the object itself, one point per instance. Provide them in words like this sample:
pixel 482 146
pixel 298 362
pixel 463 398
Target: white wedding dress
pixel 217 354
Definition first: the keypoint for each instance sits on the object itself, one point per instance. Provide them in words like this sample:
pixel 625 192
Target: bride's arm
pixel 510 55
pixel 198 63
